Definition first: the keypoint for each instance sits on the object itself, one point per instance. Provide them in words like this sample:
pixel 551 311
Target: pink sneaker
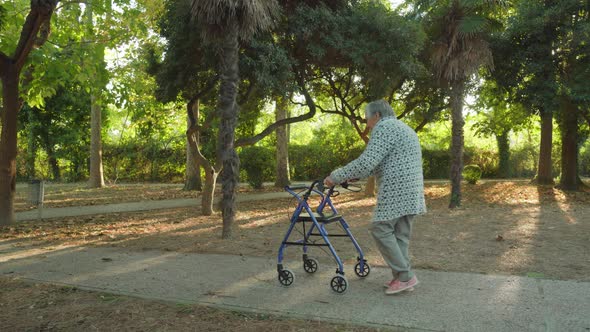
pixel 397 286
pixel 388 284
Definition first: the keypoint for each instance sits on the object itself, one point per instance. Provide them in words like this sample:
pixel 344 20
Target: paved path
pixel 442 302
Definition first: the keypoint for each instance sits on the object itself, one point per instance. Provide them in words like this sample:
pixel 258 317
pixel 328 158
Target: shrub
pixel 436 164
pixel 472 173
pixel 315 161
pixel 258 164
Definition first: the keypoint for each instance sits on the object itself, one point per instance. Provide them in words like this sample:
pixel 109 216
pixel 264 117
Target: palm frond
pixel 495 25
pixel 469 26
pixel 484 3
pixel 250 15
pixel 470 55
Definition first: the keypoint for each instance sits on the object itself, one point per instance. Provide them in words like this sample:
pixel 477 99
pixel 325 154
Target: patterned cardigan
pixel 393 155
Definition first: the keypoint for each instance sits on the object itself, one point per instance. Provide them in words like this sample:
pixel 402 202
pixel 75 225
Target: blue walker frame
pixel 304 214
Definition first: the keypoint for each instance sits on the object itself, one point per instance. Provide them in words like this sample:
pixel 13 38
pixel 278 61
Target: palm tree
pixel 227 22
pixel 459 30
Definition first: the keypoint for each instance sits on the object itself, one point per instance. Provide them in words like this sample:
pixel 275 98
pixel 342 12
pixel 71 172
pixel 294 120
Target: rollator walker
pixel 316 222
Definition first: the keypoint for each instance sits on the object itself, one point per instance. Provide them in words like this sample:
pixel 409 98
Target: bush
pixel 145 161
pixel 472 173
pixel 436 164
pixel 315 161
pixel 258 164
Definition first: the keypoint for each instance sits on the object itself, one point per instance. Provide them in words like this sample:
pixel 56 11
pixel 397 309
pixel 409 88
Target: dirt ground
pixel 502 228
pixel 78 194
pixel 37 307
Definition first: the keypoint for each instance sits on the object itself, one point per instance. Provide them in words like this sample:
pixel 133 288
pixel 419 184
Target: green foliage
pixel 61 127
pixel 472 173
pixel 145 160
pixel 459 31
pixel 376 44
pixel 498 115
pixel 487 160
pixel 314 161
pixel 2 16
pixel 259 165
pixel 436 163
pixel 183 65
pixel 585 159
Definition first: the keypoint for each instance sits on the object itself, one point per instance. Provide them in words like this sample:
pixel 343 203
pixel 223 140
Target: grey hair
pixel 380 107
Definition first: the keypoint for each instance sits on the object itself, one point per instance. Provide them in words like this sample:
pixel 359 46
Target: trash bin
pixel 37 191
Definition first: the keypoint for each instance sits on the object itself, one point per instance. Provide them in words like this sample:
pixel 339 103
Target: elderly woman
pixel 394 157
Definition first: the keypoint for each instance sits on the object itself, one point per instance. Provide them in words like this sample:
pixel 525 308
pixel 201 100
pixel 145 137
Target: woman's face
pixel 372 121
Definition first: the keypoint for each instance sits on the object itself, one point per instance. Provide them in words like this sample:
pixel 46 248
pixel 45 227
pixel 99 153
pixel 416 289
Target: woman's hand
pixel 329 182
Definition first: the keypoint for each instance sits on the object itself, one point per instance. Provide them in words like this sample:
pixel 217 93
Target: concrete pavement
pixel 442 302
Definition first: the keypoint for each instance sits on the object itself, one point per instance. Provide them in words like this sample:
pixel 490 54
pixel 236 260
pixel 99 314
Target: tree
pixel 75 53
pixel 228 22
pixel 283 176
pixel 547 62
pixel 351 53
pixel 96 178
pixel 193 164
pixel 527 69
pixel 60 128
pixel 106 28
pixel 189 70
pixel 34 33
pixel 572 54
pixel 459 31
pixel 499 117
pixel 185 70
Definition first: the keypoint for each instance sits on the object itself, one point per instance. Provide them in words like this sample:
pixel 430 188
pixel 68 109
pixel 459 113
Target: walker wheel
pixel 365 272
pixel 310 265
pixel 339 284
pixel 286 277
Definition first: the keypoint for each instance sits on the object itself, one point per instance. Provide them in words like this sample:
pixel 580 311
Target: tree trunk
pixel 545 170
pixel 53 165
pixel 31 146
pixel 228 110
pixel 208 191
pixel 504 153
pixel 456 100
pixel 283 176
pixel 96 179
pixel 193 165
pixel 211 171
pixel 569 145
pixel 10 68
pixel 96 173
pixel 11 106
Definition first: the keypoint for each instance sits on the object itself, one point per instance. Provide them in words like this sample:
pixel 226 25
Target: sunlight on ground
pixel 114 270
pixel 502 227
pixel 29 252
